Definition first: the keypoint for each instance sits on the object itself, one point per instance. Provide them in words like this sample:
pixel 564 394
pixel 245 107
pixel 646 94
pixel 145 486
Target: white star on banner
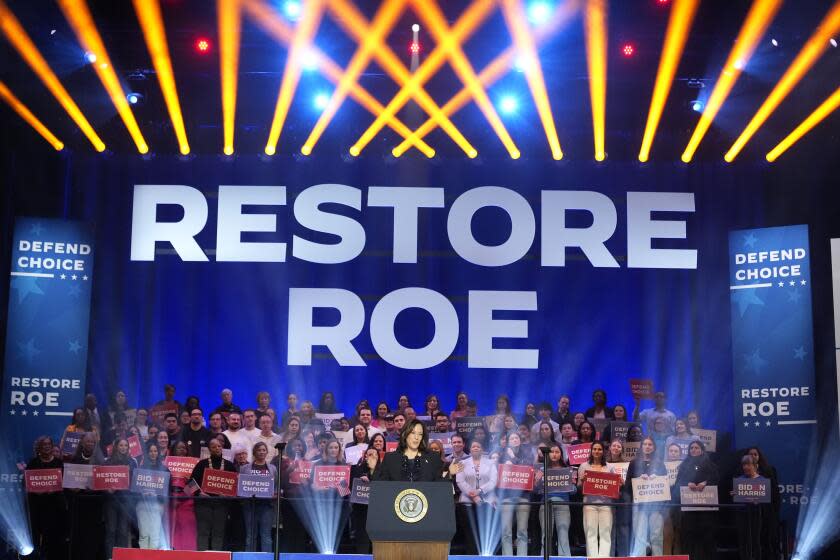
pixel 792 283
pixel 35 413
pixel 781 284
pixel 23 412
pixel 12 412
pixel 758 424
pixel 64 277
pixel 803 282
pixel 74 277
pixel 84 277
pixel 746 424
pixel 768 422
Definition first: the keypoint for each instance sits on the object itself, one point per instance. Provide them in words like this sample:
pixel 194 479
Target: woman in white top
pixel 477 482
pixel 597 519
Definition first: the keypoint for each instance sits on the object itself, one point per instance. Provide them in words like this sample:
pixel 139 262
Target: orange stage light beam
pixel 524 42
pixel 826 108
pixel 357 26
pixel 229 22
pixel 465 25
pixel 307 26
pixel 384 20
pixel 497 68
pixel 433 18
pixel 80 19
pixel 755 24
pixel 19 39
pixel 679 25
pixel 151 21
pixel 595 22
pixel 26 114
pixel 814 47
pixel 271 22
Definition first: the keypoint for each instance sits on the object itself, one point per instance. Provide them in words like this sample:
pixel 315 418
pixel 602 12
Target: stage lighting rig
pixel 202 45
pixel 628 50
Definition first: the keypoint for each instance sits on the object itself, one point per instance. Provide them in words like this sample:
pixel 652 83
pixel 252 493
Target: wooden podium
pixel 411 520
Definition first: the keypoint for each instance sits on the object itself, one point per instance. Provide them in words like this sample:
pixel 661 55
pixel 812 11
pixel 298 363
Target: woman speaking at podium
pixel 411 462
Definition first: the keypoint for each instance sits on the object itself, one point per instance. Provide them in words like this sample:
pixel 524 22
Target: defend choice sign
pixel 516 477
pixel 310 212
pixel 39 481
pixel 219 483
pixel 654 489
pixel 255 485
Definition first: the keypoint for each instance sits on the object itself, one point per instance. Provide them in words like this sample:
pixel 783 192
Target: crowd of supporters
pixel 636 442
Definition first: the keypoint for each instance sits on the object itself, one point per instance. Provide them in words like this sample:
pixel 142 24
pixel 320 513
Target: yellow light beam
pixel 19 39
pixel 679 25
pixel 80 19
pixel 229 22
pixel 497 68
pixel 524 42
pixel 595 23
pixel 384 20
pixel 305 32
pixel 465 25
pixel 432 17
pixel 755 24
pixel 820 113
pixel 806 58
pixel 26 114
pixel 356 25
pixel 151 21
pixel 271 22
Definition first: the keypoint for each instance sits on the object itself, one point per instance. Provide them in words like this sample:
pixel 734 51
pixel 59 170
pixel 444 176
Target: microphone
pixel 545 450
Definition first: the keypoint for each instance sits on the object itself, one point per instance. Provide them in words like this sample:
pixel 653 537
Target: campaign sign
pixel 578 454
pixel 345 437
pixel 631 449
pixel 328 418
pixel 71 442
pixel 302 473
pixel 391 446
pixel 181 469
pixel 326 477
pixel 466 425
pixel 445 439
pixel 621 468
pixel 360 492
pixel 707 496
pixel 598 483
pixel 559 480
pixel 708 437
pixel 111 477
pixel 673 467
pixel 751 490
pixel 255 485
pixel 148 481
pixel 135 448
pixel 641 388
pixel 158 413
pixel 516 477
pixel 653 489
pixel 39 481
pixel 221 483
pixel 354 453
pixel 619 430
pixel 78 477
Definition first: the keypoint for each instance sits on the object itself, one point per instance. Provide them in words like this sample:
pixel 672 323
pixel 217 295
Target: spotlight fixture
pixel 508 104
pixel 774 42
pixel 26 550
pixel 202 45
pixel 414 48
pixel 628 50
pixel 90 57
pixel 321 100
pixel 134 98
pixel 309 60
pixel 292 9
pixel 415 28
pixel 538 12
pixel 833 42
pixel 697 106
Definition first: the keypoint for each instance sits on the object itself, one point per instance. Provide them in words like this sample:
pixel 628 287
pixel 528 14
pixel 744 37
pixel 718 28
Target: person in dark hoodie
pixel 118 502
pixel 697 527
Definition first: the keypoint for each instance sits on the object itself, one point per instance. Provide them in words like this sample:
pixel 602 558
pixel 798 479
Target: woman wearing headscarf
pixel 697 527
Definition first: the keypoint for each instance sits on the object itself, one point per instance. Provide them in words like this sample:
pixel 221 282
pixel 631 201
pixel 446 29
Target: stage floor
pixel 137 554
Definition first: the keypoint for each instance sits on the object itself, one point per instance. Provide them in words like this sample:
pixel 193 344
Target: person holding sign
pixel 621 516
pixel 259 514
pixel 290 467
pixel 363 470
pixel 697 527
pixel 117 504
pixel 211 514
pixel 515 501
pixel 754 533
pixel 151 508
pixel 647 518
pixel 46 509
pixel 560 516
pixel 597 519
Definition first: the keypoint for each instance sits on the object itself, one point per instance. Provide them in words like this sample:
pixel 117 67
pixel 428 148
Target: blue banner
pixel 47 334
pixel 772 349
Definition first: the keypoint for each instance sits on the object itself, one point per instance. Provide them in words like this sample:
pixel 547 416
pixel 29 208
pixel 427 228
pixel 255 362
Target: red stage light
pixel 414 48
pixel 202 45
pixel 628 50
pixel 661 2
